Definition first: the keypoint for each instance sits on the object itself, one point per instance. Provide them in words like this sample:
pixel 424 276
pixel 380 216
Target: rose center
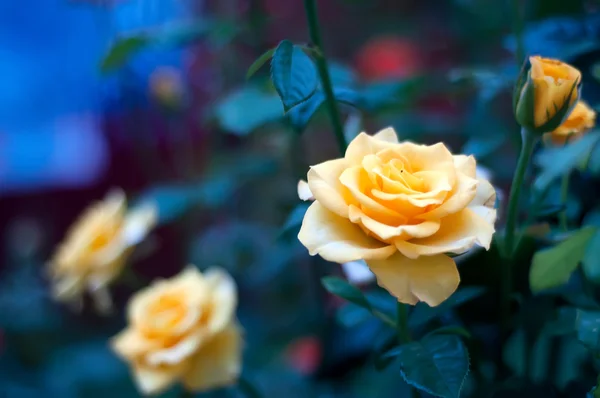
pixel 166 313
pixel 396 170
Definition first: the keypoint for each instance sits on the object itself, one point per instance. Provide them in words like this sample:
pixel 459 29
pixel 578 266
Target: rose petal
pixel 388 134
pixel 336 239
pixel 138 222
pixel 365 144
pixel 487 213
pixel 463 193
pixel 358 272
pixel 457 234
pixel 385 232
pixel 428 157
pixel 130 344
pixel 431 279
pixel 152 380
pixel 224 298
pixel 304 192
pixel 324 183
pixel 466 165
pixel 177 353
pixel 218 363
pixel 485 195
pixel 351 179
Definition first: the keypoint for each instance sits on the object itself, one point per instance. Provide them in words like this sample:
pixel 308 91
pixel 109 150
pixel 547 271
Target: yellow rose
pixel 183 329
pixel 581 119
pixel 96 249
pixel 543 95
pixel 402 208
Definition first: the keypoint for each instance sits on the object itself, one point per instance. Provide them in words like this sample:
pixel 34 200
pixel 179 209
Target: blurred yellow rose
pixel 96 249
pixel 402 208
pixel 542 97
pixel 183 329
pixel 581 119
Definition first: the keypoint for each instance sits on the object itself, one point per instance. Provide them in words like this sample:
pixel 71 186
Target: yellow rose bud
pixel 183 329
pixel 581 119
pixel 402 208
pixel 96 249
pixel 546 95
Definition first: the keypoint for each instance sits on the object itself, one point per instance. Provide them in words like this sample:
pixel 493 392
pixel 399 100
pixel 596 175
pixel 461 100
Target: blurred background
pixel 152 96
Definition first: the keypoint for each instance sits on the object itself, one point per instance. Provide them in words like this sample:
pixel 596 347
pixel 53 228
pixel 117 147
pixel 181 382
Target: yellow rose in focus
pixel 545 98
pixel 402 208
pixel 581 119
pixel 96 249
pixel 183 329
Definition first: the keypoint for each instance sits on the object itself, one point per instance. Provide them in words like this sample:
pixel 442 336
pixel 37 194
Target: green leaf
pixel 549 210
pixel 553 267
pixel 165 37
pixel 247 109
pixel 556 162
pixel 302 113
pixel 260 61
pixel 437 364
pixel 295 218
pixel 591 260
pixel 122 50
pixel 293 73
pixel 585 324
pixel 351 315
pixel 422 313
pixel 456 330
pixel 343 289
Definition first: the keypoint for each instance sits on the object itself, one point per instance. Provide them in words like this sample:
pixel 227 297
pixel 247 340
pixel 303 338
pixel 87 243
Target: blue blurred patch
pixel 50 51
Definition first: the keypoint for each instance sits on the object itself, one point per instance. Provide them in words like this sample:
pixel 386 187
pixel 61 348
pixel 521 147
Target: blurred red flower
pixel 388 57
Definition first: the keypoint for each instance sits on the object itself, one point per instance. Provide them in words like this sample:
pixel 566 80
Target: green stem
pixel 404 335
pixel 518 25
pixel 564 194
pixel 332 108
pixel 186 394
pixel 529 139
pixel 402 325
pixel 506 281
pixel 384 318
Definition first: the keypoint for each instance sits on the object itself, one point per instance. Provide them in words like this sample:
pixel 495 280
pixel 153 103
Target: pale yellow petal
pixel 337 239
pixel 324 183
pixel 385 232
pixel 485 212
pixel 457 234
pixel 218 363
pixel 130 344
pixel 388 134
pixel 431 279
pixel 464 192
pixel 365 144
pixel 428 158
pixel 155 380
pixel 179 352
pixel 466 165
pixel 138 222
pixel 485 195
pixel 304 192
pixel 351 179
pixel 223 295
